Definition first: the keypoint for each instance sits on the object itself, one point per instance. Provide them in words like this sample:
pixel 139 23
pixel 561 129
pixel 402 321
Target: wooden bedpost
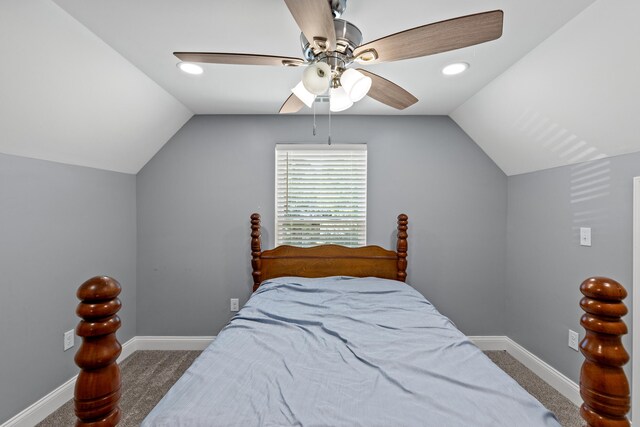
pixel 401 247
pixel 97 390
pixel 603 384
pixel 255 251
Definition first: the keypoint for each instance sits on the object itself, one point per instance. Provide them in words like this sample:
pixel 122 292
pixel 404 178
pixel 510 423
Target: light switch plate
pixel 585 236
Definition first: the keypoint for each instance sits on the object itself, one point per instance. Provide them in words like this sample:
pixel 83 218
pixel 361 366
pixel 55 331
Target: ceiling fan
pixel 331 45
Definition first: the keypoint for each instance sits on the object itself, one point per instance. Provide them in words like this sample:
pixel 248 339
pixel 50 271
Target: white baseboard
pixel 43 407
pixel 490 343
pixel 58 397
pixel 173 343
pixel 52 401
pixel 548 373
pixel 128 349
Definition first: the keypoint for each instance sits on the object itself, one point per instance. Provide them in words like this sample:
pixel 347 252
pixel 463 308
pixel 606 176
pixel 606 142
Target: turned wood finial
pixel 255 250
pixel 603 384
pixel 97 389
pixel 401 248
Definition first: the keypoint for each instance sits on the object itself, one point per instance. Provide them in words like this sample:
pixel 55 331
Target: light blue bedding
pixel 344 352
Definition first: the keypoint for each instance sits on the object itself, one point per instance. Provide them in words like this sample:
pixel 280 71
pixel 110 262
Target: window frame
pixel 349 147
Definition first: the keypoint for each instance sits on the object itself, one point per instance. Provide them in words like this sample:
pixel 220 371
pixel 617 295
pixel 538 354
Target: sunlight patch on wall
pixel 590 181
pixel 590 186
pixel 564 144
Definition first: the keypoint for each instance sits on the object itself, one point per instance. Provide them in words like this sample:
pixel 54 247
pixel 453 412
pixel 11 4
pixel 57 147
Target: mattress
pixel 343 351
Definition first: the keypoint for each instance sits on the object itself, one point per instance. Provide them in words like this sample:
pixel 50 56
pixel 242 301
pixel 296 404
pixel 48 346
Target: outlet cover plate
pixel 574 339
pixel 234 304
pixel 69 337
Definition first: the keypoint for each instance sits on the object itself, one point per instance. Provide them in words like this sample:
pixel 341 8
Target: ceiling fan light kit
pixel 303 94
pixel 317 78
pixel 355 83
pixel 339 100
pixel 331 45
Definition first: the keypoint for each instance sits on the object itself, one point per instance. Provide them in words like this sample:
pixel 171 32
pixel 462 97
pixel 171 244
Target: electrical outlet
pixel 573 339
pixel 69 336
pixel 235 304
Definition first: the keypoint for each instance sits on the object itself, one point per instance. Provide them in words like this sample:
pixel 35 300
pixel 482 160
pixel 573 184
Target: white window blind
pixel 321 194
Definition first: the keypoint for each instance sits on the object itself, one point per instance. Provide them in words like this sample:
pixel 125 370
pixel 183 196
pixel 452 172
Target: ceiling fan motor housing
pixel 348 38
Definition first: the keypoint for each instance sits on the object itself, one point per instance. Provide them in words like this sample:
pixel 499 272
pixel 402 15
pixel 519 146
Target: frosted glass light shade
pixel 356 84
pixel 339 100
pixel 303 94
pixel 317 77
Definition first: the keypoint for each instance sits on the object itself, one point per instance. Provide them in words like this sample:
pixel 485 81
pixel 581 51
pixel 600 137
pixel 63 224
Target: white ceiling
pixel 94 83
pixel 146 32
pixel 576 97
pixel 68 97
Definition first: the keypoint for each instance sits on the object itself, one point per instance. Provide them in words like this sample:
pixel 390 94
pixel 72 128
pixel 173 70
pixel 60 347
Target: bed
pixel 332 336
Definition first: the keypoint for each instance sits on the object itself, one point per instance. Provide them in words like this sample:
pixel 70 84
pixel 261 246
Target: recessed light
pixel 190 68
pixel 455 68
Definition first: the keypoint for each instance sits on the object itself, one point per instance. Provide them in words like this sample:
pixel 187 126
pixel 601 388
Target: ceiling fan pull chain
pixel 314 119
pixel 329 141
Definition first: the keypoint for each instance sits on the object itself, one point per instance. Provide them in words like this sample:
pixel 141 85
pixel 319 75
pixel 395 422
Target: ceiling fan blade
pixel 291 105
pixel 315 19
pixel 238 58
pixel 382 90
pixel 434 38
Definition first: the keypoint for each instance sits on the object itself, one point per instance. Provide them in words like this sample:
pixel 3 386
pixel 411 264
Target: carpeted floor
pixel 568 414
pixel 148 375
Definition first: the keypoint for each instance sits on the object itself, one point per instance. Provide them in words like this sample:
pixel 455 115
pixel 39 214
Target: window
pixel 321 194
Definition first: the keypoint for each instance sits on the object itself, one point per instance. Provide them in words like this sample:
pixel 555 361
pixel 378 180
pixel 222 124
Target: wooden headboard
pixel 328 260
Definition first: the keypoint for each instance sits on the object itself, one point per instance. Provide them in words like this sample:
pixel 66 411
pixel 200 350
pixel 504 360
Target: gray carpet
pixel 568 414
pixel 147 375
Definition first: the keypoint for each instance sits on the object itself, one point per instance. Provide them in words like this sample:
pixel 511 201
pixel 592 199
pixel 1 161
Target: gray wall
pixel 62 224
pixel 59 225
pixel 195 197
pixel 546 264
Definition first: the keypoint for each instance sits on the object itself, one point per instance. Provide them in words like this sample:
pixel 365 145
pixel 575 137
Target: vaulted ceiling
pixel 575 97
pixel 68 97
pixel 94 83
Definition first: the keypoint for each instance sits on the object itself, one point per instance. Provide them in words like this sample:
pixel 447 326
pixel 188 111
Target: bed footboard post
pixel 256 250
pixel 402 247
pixel 97 390
pixel 603 384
